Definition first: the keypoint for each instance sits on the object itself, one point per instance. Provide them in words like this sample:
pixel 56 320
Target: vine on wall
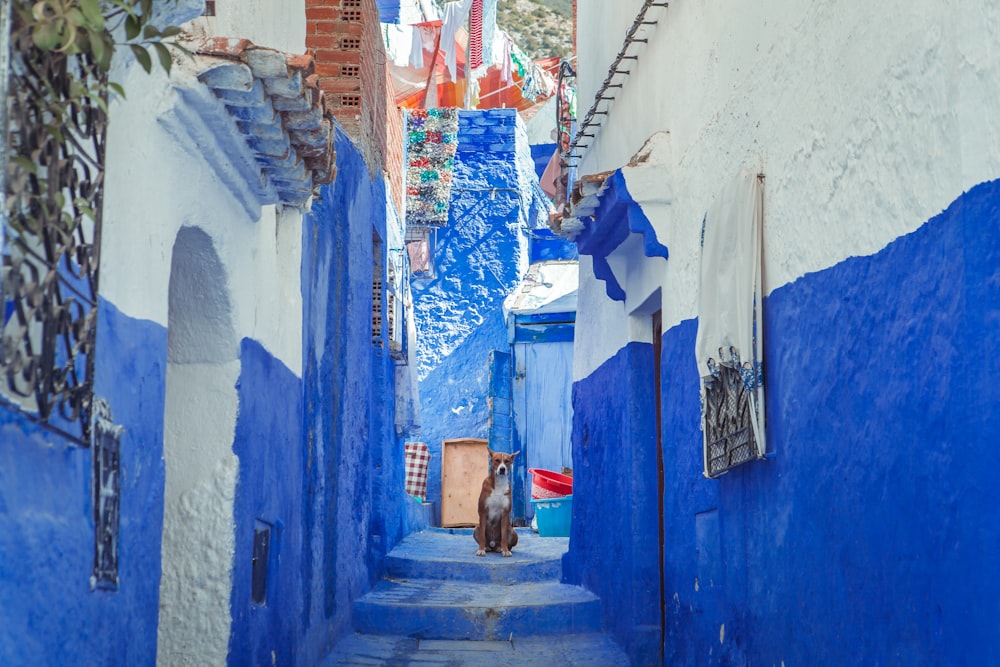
pixel 57 103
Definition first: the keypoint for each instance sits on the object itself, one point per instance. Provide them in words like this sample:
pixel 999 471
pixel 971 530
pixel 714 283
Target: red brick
pixel 321 14
pixel 327 70
pixel 324 42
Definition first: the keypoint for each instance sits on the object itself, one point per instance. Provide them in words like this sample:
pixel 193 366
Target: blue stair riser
pixel 492 568
pixel 480 623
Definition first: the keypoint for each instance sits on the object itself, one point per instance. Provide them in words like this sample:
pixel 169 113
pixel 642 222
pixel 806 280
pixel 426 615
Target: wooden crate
pixel 464 464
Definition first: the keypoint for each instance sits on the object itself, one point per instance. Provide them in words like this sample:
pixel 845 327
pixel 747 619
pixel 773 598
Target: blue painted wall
pixel 48 614
pixel 614 489
pixel 871 537
pixel 268 442
pixel 354 507
pixel 479 257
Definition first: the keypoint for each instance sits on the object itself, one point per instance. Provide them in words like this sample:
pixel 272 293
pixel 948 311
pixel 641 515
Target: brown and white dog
pixel 495 532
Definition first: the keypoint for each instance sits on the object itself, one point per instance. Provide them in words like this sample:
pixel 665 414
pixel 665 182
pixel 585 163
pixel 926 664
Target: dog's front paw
pixel 481 552
pixel 506 553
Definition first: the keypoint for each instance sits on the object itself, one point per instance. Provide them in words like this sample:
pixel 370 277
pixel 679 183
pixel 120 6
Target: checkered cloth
pixel 418 459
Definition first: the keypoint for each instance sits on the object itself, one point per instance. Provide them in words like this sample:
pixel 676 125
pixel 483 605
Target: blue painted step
pixel 566 650
pixel 451 555
pixel 437 609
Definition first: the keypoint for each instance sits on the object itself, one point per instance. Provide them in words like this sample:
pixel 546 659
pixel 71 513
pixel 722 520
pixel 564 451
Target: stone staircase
pixel 441 604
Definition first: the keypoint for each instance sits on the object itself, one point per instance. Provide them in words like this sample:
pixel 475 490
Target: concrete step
pixel 436 609
pixel 588 649
pixel 450 554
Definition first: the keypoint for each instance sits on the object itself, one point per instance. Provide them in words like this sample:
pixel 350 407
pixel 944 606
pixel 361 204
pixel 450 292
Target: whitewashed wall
pixel 276 24
pixel 162 175
pixel 866 118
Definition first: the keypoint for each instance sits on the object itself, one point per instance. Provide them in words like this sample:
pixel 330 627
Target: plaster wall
pixel 46 518
pixel 831 103
pixel 259 247
pixel 854 541
pixel 277 24
pixel 185 247
pixel 479 257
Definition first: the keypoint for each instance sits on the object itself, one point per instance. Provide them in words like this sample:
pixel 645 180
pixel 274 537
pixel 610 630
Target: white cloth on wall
pixel 729 301
pixel 453 16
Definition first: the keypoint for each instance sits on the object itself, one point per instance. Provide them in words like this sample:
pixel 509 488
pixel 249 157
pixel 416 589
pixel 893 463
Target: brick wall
pixel 334 36
pixel 345 38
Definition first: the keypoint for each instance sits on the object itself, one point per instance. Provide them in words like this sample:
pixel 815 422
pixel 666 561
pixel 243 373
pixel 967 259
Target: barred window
pixel 50 247
pixel 378 282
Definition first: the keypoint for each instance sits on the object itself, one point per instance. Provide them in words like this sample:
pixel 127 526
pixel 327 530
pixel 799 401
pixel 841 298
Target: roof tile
pixel 279 109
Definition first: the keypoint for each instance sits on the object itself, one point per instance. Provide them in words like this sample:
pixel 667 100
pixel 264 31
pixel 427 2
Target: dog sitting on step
pixel 495 532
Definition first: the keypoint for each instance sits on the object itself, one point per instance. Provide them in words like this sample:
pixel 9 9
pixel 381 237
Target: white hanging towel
pixel 453 16
pixel 729 314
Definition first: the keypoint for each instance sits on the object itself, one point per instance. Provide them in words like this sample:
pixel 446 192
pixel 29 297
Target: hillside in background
pixel 542 28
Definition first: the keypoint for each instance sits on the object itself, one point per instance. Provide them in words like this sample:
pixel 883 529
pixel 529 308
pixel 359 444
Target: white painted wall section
pixel 866 118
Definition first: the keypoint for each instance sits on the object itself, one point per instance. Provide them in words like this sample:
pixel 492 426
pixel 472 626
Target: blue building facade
pixel 319 469
pixel 865 536
pixel 479 257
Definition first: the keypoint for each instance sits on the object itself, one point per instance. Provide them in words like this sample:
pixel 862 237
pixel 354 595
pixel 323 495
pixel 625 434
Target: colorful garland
pixel 432 137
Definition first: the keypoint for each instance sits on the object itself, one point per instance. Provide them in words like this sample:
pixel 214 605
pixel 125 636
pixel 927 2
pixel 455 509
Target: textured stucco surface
pixel 46 519
pixel 479 258
pixel 858 145
pixel 875 507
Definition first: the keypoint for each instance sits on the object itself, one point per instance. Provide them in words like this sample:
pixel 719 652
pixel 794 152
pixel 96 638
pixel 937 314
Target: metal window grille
pixel 729 433
pixel 52 240
pixel 107 496
pixel 378 282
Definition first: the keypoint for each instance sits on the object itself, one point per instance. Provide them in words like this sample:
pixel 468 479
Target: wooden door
pixel 464 464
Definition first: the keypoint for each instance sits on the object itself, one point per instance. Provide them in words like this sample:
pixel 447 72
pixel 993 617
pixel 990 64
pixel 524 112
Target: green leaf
pixel 103 48
pixel 24 163
pixel 68 38
pixel 142 57
pixel 99 101
pixel 150 31
pixel 43 11
pixel 132 28
pixel 45 36
pixel 147 9
pixel 164 54
pixel 92 11
pixel 117 88
pixel 171 31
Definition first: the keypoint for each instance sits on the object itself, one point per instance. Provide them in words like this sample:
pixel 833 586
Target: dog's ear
pixel 515 453
pixel 490 452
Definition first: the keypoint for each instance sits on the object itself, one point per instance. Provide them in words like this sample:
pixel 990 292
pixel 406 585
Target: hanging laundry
pixel 425 37
pixel 399 42
pixel 728 345
pixel 506 75
pixel 475 54
pixel 453 17
pixel 489 32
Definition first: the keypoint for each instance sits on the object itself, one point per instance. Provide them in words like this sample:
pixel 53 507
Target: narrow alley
pixel 702 298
